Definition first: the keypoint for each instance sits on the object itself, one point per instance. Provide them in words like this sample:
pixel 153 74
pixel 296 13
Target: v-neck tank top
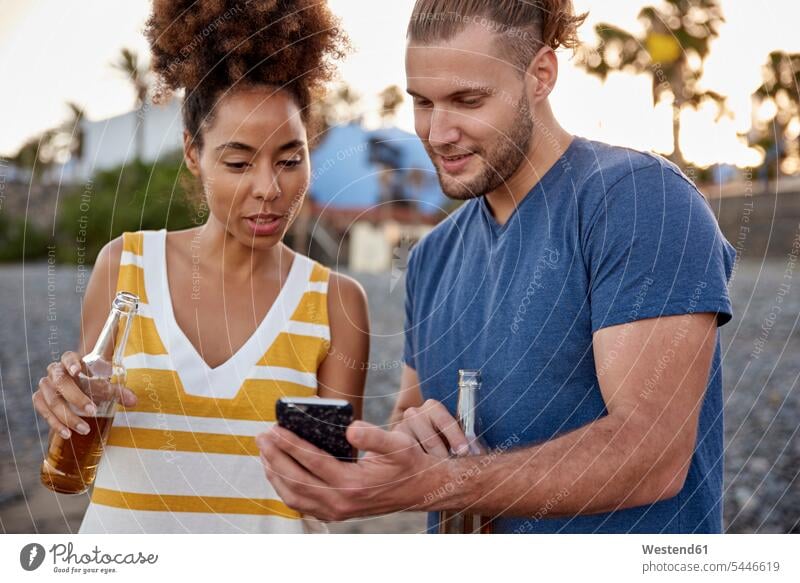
pixel 184 458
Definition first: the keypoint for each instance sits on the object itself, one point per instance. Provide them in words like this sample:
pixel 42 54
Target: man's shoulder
pixel 632 179
pixel 606 165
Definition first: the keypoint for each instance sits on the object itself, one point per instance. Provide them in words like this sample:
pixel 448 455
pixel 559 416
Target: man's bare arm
pixel 653 386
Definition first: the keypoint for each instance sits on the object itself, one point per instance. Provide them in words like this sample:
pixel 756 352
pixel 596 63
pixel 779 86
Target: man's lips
pixel 264 224
pixel 455 163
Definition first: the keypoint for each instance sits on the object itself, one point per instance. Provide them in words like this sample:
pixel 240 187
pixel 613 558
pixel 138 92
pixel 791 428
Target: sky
pixel 55 51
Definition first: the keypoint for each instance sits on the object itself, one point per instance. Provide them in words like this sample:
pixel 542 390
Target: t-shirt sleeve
pixel 653 248
pixel 409 327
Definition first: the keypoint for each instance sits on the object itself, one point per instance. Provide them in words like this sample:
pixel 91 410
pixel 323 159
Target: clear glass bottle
pixel 455 521
pixel 71 464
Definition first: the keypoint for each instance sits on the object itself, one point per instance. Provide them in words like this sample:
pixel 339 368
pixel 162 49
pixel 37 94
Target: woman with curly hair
pixel 231 319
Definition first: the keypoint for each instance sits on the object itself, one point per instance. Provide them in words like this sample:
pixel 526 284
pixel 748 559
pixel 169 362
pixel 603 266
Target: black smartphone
pixel 322 422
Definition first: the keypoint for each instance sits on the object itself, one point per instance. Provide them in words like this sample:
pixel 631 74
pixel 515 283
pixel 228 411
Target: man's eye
pixel 237 165
pixel 422 103
pixel 471 102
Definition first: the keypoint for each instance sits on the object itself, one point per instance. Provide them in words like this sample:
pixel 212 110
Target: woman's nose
pixel 266 185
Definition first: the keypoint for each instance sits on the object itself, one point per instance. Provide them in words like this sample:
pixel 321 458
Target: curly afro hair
pixel 207 47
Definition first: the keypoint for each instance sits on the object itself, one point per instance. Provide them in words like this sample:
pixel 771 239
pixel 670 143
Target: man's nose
pixel 443 130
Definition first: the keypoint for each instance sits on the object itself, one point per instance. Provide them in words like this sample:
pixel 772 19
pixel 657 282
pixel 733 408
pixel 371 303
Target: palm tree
pixel 128 64
pixel 675 43
pixel 74 129
pixel 36 155
pixel 339 106
pixel 781 76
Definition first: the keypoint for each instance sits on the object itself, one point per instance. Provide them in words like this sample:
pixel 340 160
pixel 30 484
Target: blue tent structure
pixel 356 168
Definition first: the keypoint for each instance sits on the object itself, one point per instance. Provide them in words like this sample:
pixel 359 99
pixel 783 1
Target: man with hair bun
pixel 587 283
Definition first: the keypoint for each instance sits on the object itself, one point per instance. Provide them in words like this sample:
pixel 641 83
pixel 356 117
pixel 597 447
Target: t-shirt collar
pixel 551 176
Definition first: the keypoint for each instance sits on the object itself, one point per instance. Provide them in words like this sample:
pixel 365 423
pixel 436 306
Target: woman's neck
pixel 235 261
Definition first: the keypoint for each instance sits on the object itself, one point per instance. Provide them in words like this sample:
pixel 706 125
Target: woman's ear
pixel 541 75
pixel 191 154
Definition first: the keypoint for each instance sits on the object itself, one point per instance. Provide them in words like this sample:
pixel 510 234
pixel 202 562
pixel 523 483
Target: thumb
pixel 367 437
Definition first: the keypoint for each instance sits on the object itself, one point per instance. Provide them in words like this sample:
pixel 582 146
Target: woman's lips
pixel 454 164
pixel 263 225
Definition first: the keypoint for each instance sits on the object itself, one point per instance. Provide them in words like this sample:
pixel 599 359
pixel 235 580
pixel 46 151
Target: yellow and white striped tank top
pixel 184 459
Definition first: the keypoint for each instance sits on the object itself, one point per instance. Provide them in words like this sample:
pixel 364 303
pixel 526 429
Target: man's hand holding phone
pixel 321 422
pixel 396 473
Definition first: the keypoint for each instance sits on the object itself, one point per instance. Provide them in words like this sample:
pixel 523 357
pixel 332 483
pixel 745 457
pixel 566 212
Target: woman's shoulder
pixel 336 281
pixel 344 291
pixel 317 272
pixel 344 285
pixel 111 252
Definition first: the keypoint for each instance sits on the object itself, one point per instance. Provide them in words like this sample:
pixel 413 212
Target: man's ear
pixel 191 154
pixel 541 75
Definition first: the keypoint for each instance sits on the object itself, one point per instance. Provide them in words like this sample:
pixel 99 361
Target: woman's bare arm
pixel 343 373
pixel 57 389
pixel 100 292
pixel 410 395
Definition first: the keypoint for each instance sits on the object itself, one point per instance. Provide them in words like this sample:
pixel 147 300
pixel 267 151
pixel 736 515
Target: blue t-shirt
pixel 609 235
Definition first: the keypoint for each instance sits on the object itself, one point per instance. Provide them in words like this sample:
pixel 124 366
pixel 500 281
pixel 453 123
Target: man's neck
pixel 547 146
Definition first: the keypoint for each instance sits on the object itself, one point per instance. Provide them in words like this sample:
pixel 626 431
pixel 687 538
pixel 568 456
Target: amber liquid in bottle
pixel 456 521
pixel 70 466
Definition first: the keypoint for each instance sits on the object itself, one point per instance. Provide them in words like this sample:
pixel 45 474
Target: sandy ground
pixel 39 318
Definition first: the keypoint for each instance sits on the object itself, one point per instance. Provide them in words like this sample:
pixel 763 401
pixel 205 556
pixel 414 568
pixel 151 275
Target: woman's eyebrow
pixel 291 145
pixel 235 146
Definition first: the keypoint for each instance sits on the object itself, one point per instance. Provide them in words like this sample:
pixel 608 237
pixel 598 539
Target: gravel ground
pixel 39 315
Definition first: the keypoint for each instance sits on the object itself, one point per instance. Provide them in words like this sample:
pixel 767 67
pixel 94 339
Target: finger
pixel 422 429
pixel 42 409
pixel 401 427
pixel 448 426
pixel 100 390
pixel 285 492
pixel 71 362
pixel 282 465
pixel 318 462
pixel 368 437
pixel 126 396
pixel 65 386
pixel 61 409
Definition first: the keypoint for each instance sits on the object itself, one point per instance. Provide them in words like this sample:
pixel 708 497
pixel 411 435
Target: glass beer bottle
pixel 70 466
pixel 456 521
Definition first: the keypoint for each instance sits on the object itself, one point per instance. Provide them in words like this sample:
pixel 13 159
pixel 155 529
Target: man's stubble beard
pixel 502 159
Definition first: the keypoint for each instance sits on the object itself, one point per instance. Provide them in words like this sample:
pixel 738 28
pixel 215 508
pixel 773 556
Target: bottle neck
pixel 465 410
pixel 469 382
pixel 110 345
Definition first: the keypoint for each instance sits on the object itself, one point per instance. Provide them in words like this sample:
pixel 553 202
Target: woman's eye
pixel 237 165
pixel 290 163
